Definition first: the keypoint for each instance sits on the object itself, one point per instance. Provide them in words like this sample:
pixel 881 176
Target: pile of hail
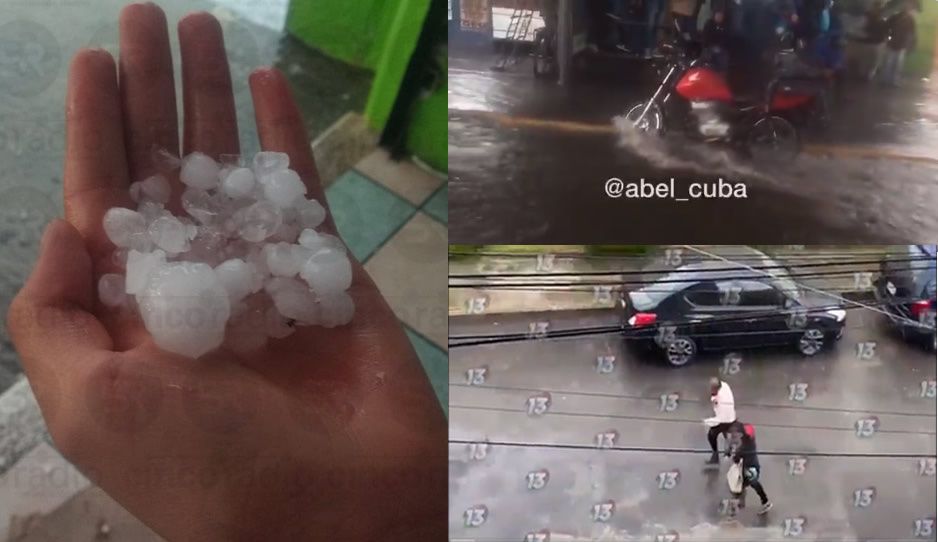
pixel 243 264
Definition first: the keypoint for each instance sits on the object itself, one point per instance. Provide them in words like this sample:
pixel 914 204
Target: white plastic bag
pixel 734 477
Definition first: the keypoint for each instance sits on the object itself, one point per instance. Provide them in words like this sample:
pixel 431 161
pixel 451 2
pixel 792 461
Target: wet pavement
pixel 813 461
pixel 529 161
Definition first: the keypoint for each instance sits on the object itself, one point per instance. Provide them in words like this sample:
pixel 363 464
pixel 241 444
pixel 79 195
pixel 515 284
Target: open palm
pixel 327 434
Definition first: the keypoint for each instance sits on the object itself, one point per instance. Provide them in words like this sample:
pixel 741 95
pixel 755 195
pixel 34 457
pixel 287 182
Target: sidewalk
pixel 856 282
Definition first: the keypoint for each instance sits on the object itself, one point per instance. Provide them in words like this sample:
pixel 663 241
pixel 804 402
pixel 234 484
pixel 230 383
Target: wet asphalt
pixel 528 163
pixel 654 476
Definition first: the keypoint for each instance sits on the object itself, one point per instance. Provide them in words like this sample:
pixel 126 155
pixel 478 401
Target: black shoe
pixel 714 459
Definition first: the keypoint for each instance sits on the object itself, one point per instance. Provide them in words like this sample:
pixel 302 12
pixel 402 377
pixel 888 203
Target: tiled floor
pixel 393 217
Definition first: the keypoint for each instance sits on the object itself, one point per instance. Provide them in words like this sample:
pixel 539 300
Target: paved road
pixel 529 161
pixel 841 389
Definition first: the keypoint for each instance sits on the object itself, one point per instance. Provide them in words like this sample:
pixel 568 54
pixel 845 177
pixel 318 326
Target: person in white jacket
pixel 724 410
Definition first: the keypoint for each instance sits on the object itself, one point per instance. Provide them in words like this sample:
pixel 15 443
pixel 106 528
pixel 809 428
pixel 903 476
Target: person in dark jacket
pixel 875 33
pixel 902 38
pixel 716 39
pixel 743 450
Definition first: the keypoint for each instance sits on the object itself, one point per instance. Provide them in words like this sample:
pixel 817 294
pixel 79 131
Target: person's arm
pixel 332 433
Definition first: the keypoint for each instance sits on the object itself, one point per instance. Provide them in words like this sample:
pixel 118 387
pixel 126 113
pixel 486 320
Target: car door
pixel 726 323
pixel 702 302
pixel 762 310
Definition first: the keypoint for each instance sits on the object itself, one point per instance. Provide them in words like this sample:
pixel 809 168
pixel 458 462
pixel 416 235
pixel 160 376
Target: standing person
pixel 901 39
pixel 876 33
pixel 743 437
pixel 684 13
pixel 715 42
pixel 653 12
pixel 724 410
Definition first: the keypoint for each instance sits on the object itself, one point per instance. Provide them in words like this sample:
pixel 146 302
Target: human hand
pixel 330 434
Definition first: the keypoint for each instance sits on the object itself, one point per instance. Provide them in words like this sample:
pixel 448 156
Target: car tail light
pixel 919 307
pixel 642 319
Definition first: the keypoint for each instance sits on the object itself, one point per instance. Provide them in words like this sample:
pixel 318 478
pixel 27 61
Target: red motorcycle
pixel 696 97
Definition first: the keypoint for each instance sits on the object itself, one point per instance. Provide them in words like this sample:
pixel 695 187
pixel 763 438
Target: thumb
pixel 50 318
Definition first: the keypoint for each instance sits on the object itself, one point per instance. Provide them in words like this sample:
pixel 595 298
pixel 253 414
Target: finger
pixel 50 319
pixel 148 93
pixel 95 177
pixel 280 128
pixel 210 123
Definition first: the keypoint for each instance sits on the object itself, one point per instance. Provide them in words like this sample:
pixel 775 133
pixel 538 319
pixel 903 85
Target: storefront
pixel 488 20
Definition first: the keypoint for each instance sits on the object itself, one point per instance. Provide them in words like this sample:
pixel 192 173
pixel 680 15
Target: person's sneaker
pixel 714 459
pixel 765 508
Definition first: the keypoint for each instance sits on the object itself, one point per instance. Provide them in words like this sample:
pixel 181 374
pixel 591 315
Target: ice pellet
pixel 283 188
pixel 139 267
pixel 267 162
pixel 185 308
pixel 258 222
pixel 112 290
pixel 314 240
pixel 155 189
pixel 294 300
pixel 199 171
pixel 121 224
pixel 170 234
pixel 282 260
pixel 244 265
pixel 327 272
pixel 238 278
pixel 239 183
pixel 310 214
pixel 200 205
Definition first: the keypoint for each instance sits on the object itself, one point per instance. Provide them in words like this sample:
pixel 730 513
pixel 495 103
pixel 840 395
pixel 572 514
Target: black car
pixel 905 288
pixel 716 305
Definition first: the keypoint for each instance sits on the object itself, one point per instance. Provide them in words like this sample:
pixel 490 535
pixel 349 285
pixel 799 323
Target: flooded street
pixel 530 160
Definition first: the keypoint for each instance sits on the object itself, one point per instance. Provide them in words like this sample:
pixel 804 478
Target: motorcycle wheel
pixel 773 138
pixel 652 123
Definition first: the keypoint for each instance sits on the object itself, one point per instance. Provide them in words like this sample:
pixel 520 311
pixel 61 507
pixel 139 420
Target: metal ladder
pixel 518 27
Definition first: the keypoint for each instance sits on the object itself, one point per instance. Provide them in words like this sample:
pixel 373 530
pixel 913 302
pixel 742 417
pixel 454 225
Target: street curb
pixel 341 146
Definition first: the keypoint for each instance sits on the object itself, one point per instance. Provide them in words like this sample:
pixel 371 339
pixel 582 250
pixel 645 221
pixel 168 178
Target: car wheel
pixel 811 341
pixel 680 351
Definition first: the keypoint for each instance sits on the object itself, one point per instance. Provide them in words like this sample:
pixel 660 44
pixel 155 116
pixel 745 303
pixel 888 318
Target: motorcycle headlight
pixel 838 314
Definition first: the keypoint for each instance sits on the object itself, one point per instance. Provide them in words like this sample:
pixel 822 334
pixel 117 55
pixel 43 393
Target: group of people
pixel 745 29
pixel 741 441
pixel 890 30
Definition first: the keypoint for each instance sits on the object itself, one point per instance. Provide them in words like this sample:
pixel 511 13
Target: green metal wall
pixel 380 35
pixel 352 31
